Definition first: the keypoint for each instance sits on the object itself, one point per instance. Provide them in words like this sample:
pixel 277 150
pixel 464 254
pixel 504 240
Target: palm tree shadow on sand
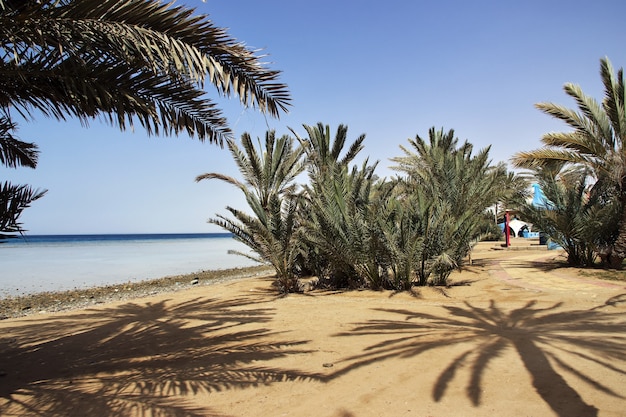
pixel 140 359
pixel 550 341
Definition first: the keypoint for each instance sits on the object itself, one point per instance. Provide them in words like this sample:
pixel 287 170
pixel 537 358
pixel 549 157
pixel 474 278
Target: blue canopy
pixel 539 199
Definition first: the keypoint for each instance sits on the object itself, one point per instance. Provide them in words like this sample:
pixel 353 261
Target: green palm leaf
pixel 14 152
pixel 13 200
pixel 72 45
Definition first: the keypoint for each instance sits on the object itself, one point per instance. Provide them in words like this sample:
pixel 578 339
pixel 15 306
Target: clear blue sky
pixel 388 69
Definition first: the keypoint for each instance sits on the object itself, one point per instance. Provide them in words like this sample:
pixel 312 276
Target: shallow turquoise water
pixel 42 264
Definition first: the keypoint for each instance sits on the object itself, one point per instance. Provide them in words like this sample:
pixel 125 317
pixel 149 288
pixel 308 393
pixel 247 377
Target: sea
pixel 39 263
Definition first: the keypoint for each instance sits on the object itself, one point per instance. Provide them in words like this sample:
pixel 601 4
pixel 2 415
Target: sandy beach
pixel 516 336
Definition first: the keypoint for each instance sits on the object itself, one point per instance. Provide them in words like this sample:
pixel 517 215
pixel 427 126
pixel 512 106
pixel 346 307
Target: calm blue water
pixel 60 262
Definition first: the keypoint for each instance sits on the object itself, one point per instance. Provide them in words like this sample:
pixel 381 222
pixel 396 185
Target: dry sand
pixel 518 337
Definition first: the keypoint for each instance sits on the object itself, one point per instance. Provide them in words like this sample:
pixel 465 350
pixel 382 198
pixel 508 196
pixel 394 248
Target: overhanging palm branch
pixel 125 62
pixel 118 94
pixel 69 43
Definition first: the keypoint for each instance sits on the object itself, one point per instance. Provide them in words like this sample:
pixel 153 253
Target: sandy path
pixel 520 339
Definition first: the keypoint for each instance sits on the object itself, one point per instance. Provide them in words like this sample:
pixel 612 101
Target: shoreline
pixel 67 300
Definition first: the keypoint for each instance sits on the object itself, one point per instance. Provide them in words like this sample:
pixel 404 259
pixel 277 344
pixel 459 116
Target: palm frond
pixel 13 200
pixel 222 177
pixel 542 156
pixel 13 152
pixel 575 120
pixel 41 43
pixel 322 154
pixel 118 93
pixel 575 141
pixel 614 100
pixel 595 114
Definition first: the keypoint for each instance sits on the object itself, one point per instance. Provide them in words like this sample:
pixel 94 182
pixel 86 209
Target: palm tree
pixel 400 222
pixel 340 229
pixel 568 214
pixel 597 141
pixel 127 61
pixel 334 209
pixel 272 230
pixel 450 188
